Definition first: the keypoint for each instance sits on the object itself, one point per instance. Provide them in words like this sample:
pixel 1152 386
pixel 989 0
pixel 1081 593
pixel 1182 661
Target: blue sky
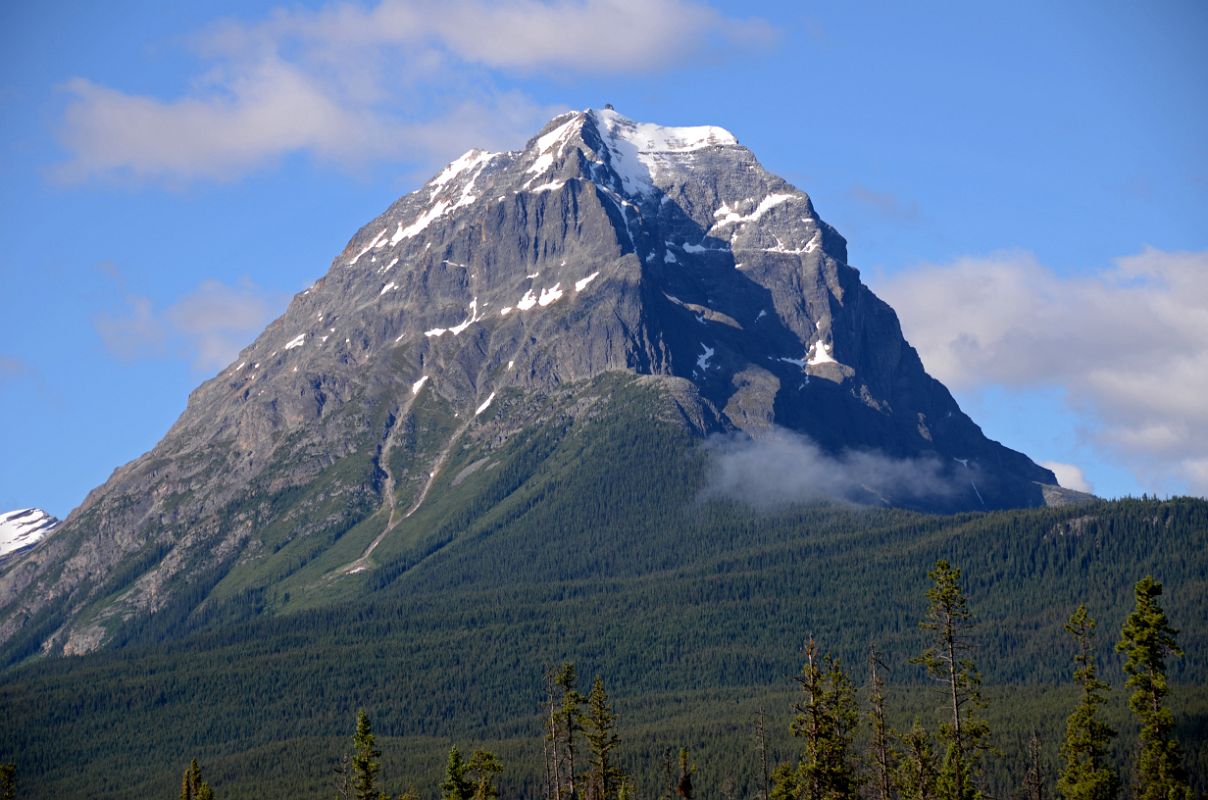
pixel 1026 183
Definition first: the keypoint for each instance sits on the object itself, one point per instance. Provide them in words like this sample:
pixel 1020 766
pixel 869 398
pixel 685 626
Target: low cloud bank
pixel 789 468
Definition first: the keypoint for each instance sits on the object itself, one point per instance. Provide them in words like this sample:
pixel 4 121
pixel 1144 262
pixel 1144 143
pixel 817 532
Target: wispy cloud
pixel 208 326
pixel 410 80
pixel 786 467
pixel 13 369
pixel 886 204
pixel 1128 344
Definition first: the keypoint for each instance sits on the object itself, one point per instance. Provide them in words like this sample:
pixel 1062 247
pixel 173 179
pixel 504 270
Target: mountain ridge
pixel 605 246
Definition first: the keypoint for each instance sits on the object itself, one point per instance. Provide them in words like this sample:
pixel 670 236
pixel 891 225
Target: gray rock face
pixel 605 245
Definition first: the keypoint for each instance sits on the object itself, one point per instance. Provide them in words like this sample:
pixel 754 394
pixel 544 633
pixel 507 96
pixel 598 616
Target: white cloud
pixel 208 326
pixel 1129 346
pixel 597 36
pixel 1069 476
pixel 784 467
pixel 409 80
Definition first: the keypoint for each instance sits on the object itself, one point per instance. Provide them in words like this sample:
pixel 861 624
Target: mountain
pixel 23 528
pixel 442 368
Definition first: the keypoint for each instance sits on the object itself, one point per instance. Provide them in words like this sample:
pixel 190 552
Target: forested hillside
pixel 693 610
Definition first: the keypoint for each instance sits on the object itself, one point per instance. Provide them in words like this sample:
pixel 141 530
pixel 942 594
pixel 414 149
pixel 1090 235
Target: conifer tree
pixel 563 727
pixel 1147 639
pixel 1087 772
pixel 473 779
pixel 917 772
pixel 456 785
pixel 8 782
pixel 600 729
pixel 881 754
pixel 947 660
pixel 483 769
pixel 192 787
pixel 365 764
pixel 826 719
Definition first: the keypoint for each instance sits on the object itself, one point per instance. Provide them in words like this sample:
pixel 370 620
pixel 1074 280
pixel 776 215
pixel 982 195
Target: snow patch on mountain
pixel 636 147
pixel 650 138
pixel 466 161
pixel 820 354
pixel 461 326
pixel 368 247
pixel 581 284
pixel 730 216
pixel 23 528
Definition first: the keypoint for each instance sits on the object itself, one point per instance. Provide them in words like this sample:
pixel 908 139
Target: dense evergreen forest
pixel 845 742
pixel 591 543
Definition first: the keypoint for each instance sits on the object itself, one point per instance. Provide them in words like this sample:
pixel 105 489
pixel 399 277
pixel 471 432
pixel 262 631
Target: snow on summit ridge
pixel 649 137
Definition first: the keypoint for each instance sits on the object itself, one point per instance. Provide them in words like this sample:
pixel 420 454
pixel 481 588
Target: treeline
pixel 847 746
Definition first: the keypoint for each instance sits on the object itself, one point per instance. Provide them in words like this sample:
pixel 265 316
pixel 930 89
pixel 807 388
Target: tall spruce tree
pixel 1147 640
pixel 365 764
pixel 1087 772
pixel 826 718
pixel 947 660
pixel 457 784
pixel 600 730
pixel 564 724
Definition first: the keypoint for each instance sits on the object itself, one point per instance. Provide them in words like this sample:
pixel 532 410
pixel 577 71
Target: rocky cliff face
pixel 605 246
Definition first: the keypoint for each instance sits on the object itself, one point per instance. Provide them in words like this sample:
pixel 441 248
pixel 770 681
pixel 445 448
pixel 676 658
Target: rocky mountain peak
pixel 605 244
pixel 606 249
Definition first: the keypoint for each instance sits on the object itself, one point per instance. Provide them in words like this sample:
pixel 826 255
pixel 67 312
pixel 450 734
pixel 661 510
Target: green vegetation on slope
pixel 588 540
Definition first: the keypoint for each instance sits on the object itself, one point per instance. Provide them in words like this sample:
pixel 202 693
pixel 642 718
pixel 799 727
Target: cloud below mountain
pixel 786 467
pixel 1127 345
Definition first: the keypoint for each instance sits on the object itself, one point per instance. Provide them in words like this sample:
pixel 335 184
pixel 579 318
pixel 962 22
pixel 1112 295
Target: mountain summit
pixel 495 308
